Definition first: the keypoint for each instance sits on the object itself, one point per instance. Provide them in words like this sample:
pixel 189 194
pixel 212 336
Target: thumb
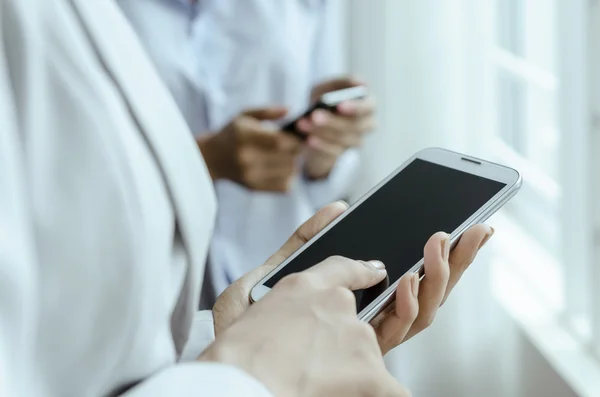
pixel 307 231
pixel 271 113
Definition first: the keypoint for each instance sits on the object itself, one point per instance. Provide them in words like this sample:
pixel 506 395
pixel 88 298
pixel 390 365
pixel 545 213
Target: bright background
pixel 518 82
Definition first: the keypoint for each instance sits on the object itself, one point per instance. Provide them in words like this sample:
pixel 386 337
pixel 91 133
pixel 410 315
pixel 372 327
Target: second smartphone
pixel 329 101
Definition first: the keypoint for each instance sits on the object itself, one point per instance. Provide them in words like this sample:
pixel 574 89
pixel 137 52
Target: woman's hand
pixel 404 318
pixel 234 301
pixel 331 133
pixel 443 270
pixel 307 326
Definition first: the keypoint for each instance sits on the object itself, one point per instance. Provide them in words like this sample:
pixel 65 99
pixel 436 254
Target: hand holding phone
pixel 337 122
pixel 435 190
pixel 307 327
pixel 329 102
pixel 247 152
pixel 390 326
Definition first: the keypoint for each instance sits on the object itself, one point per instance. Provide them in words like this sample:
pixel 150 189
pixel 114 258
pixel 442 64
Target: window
pixel 546 122
pixel 526 124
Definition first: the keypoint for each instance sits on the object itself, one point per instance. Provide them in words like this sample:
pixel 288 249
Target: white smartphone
pixel 435 190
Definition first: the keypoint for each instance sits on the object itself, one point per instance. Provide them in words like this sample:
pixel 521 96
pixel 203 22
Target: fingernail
pixel 320 117
pixel 446 248
pixel 343 203
pixel 304 125
pixel 414 284
pixel 487 237
pixel 377 265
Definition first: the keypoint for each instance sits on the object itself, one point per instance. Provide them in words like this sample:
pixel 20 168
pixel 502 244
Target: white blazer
pixel 106 212
pixel 225 56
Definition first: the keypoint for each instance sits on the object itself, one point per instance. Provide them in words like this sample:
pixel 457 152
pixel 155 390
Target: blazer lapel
pixel 164 128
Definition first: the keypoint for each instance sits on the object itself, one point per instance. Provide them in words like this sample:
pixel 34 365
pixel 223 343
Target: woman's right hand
pixel 249 153
pixel 304 337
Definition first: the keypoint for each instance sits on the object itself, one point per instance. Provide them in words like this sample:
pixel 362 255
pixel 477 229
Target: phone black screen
pixel 394 223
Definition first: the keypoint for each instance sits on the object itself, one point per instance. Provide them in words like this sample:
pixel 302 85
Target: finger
pixel 338 271
pixel 357 108
pixel 367 125
pixel 277 171
pixel 288 143
pixel 326 120
pixel 258 137
pixel 307 231
pixel 274 162
pixel 279 181
pixel 346 134
pixel 464 253
pixel 324 146
pixel 432 288
pixel 397 320
pixel 347 131
pixel 304 125
pixel 269 113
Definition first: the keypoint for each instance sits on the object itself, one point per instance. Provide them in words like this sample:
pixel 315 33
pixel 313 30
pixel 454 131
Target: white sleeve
pixel 202 334
pixel 192 378
pixel 200 380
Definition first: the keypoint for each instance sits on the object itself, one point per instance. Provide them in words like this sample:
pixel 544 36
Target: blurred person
pixel 238 69
pixel 106 213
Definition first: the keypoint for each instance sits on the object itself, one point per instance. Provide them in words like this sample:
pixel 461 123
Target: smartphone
pixel 328 101
pixel 435 190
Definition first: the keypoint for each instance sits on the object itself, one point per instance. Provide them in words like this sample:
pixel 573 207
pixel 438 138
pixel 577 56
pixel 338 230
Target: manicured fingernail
pixel 377 265
pixel 343 203
pixel 320 117
pixel 487 237
pixel 446 248
pixel 414 284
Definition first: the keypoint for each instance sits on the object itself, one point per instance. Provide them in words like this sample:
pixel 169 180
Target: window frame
pixel 592 12
pixel 541 194
pixel 576 196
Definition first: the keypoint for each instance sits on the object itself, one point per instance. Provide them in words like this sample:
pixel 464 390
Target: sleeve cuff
pixel 202 334
pixel 200 379
pixel 339 182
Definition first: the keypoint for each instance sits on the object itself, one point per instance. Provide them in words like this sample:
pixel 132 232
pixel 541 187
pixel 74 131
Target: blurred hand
pixel 401 320
pixel 331 133
pixel 249 153
pixel 304 337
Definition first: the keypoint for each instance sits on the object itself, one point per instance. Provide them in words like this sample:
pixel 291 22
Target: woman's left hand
pixel 416 302
pixel 331 133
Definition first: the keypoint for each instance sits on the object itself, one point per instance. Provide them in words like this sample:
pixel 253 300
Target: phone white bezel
pixel 444 157
pixel 334 98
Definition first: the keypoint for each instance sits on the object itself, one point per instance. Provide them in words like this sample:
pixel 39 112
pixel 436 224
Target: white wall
pixel 424 62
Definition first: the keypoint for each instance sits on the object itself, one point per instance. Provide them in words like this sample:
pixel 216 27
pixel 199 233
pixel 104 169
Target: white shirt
pixel 221 57
pixel 106 212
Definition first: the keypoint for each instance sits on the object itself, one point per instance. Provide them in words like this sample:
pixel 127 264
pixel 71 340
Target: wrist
pixel 212 154
pixel 253 363
pixel 318 165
